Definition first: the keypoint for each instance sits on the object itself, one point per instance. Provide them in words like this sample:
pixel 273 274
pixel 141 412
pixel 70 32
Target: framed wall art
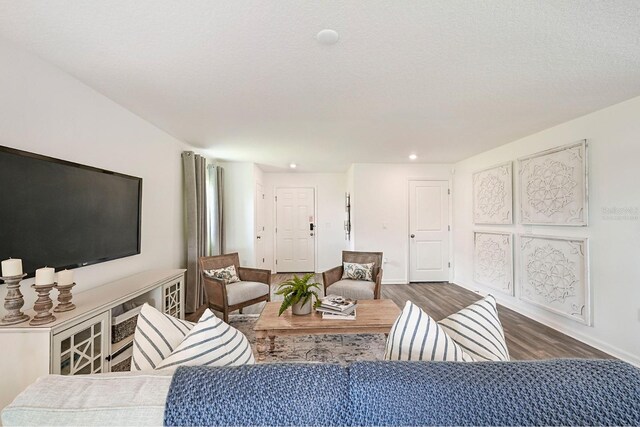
pixel 493 195
pixel 493 260
pixel 553 186
pixel 554 274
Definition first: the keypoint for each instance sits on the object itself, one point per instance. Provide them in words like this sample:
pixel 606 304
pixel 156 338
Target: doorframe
pixel 449 181
pixel 255 222
pixel 274 236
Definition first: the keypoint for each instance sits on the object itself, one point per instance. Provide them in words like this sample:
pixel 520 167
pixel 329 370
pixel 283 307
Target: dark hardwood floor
pixel 526 338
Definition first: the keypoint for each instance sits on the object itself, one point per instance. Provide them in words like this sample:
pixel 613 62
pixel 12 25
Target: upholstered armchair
pixel 254 285
pixel 355 289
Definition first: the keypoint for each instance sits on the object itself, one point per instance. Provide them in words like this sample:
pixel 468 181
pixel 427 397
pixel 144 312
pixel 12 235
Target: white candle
pixel 65 277
pixel 45 276
pixel 11 267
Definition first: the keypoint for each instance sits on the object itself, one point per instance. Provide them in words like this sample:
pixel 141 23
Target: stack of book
pixel 335 307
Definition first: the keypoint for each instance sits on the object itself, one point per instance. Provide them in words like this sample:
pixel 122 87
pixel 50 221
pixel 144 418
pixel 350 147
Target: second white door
pixel 428 231
pixel 295 230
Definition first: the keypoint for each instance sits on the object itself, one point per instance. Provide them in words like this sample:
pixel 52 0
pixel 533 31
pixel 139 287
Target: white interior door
pixel 428 231
pixel 259 232
pixel 295 234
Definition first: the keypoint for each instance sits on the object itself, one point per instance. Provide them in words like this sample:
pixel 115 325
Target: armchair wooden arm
pixel 255 275
pixel 330 277
pixel 215 291
pixel 377 277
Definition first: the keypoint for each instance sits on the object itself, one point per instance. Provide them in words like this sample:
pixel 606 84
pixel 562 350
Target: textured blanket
pixel 549 393
pixel 259 395
pixel 555 392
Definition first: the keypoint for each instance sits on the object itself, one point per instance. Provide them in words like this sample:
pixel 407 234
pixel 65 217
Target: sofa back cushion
pixel 552 392
pixel 259 395
pixel 117 399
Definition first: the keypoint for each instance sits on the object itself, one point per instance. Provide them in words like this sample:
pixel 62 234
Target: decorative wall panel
pixel 553 186
pixel 554 274
pixel 493 260
pixel 493 195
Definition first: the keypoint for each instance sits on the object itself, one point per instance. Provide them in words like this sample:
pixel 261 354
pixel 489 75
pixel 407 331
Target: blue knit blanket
pixel 554 392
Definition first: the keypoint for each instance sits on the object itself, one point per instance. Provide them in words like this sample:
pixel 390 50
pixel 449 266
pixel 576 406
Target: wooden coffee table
pixel 373 317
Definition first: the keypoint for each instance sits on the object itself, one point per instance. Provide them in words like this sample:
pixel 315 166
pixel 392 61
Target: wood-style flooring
pixel 526 338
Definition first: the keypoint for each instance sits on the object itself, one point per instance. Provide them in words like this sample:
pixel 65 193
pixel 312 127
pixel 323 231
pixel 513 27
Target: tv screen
pixel 60 214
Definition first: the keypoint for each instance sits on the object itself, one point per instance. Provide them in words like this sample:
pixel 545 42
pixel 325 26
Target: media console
pixel 79 341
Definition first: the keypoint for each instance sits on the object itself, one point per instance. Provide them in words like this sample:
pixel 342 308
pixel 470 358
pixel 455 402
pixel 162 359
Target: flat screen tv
pixel 61 214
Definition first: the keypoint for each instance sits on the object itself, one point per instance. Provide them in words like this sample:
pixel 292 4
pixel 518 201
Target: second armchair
pixel 335 281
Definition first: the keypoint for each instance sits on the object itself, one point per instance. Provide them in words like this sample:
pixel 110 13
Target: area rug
pixel 342 349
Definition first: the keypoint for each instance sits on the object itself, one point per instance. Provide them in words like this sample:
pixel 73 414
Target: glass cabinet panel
pixel 172 300
pixel 79 349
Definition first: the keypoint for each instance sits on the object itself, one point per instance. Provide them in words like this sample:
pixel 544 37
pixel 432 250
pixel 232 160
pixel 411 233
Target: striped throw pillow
pixel 211 342
pixel 416 336
pixel 478 330
pixel 156 336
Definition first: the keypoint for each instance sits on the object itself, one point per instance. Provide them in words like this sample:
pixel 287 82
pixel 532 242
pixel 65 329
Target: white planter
pixel 300 310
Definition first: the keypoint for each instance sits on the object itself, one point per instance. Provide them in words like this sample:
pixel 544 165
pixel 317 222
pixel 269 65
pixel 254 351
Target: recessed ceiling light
pixel 293 165
pixel 327 37
pixel 412 157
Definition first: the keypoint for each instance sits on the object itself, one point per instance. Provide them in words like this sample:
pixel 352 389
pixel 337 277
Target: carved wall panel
pixel 493 260
pixel 554 274
pixel 493 195
pixel 553 186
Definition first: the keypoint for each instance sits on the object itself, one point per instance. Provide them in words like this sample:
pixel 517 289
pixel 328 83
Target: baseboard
pixel 600 345
pixel 394 281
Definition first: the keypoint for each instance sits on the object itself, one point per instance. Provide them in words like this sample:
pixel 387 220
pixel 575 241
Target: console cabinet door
pixel 173 298
pixel 82 348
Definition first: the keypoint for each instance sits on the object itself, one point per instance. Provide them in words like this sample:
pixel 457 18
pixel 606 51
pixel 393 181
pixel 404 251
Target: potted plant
pixel 298 293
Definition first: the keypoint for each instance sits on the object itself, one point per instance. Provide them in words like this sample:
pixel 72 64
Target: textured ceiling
pixel 444 79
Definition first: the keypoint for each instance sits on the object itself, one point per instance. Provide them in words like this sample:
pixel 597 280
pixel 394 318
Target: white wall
pixel 351 244
pixel 330 189
pixel 614 152
pixel 381 211
pixel 47 111
pixel 239 210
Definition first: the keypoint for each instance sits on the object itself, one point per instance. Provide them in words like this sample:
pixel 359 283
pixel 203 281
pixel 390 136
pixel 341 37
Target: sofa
pixel 554 392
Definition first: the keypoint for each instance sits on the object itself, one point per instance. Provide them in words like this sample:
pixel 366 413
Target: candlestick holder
pixel 64 298
pixel 43 306
pixel 14 301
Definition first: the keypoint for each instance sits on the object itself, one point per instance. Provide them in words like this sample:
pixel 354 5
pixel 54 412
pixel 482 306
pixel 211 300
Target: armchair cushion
pixel 240 292
pixel 356 271
pixel 354 289
pixel 226 274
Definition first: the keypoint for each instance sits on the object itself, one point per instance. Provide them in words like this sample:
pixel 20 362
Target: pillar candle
pixel 65 277
pixel 45 276
pixel 11 267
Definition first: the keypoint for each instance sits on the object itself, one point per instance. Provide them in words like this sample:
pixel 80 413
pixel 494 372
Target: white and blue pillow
pixel 416 336
pixel 472 334
pixel 477 329
pixel 211 342
pixel 156 336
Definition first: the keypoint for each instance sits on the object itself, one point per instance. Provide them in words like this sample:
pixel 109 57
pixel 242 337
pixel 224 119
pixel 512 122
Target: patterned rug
pixel 342 349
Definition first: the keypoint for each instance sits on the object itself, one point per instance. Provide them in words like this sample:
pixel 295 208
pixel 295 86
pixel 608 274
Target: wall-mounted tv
pixel 61 214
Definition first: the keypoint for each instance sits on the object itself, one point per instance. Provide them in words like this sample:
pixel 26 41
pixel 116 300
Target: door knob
pixel 258 237
pixel 413 235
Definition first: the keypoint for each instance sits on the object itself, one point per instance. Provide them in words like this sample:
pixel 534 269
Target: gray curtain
pixel 196 225
pixel 215 175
